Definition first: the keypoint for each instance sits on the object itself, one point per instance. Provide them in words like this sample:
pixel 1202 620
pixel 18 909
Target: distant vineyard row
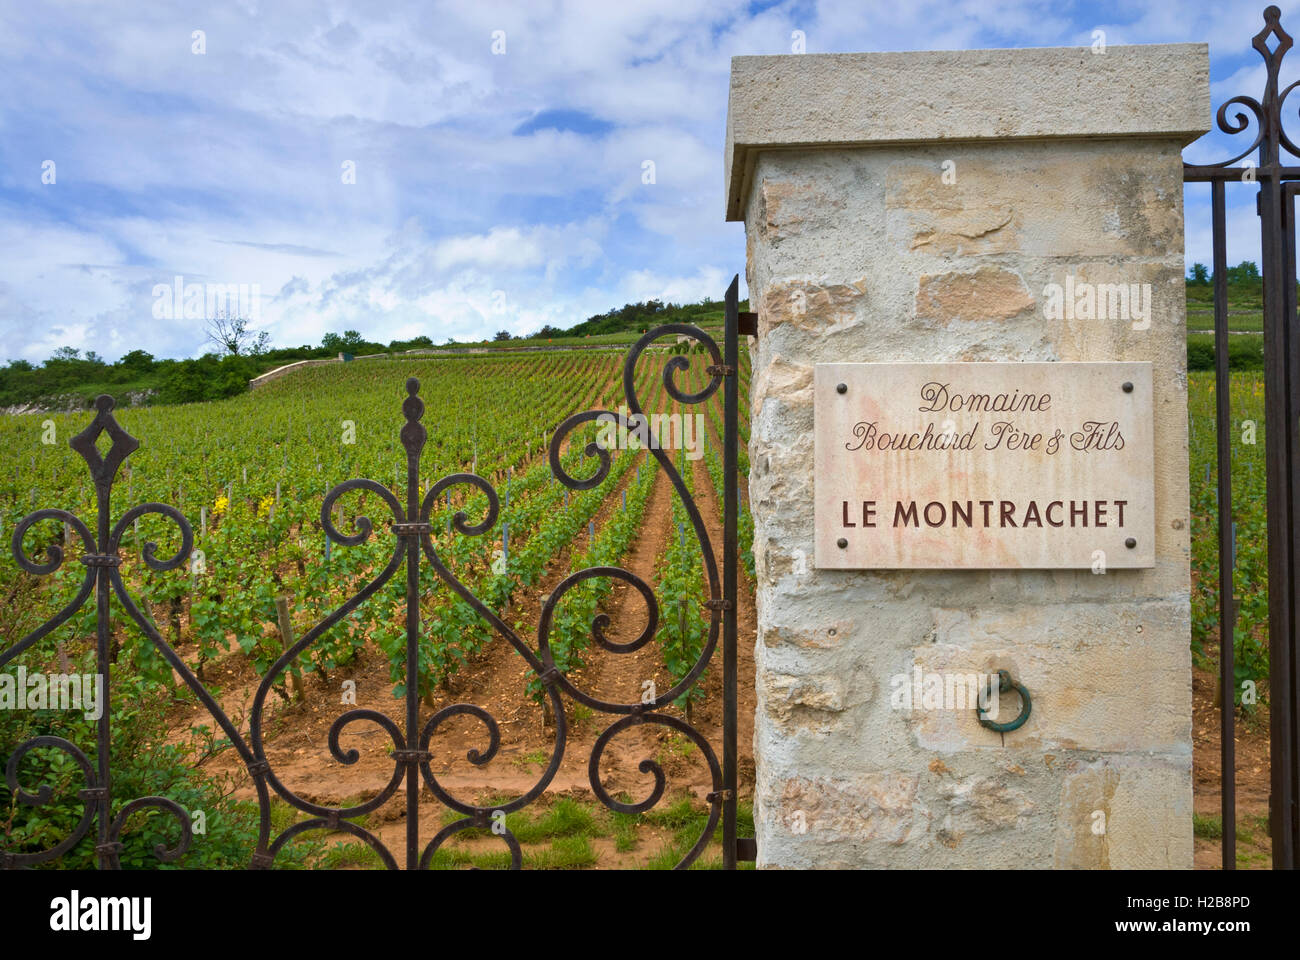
pixel 250 474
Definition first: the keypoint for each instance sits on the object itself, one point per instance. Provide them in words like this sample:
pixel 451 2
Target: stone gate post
pixel 955 207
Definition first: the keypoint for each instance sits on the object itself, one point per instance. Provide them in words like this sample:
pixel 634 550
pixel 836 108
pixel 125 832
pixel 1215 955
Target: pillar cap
pixel 1038 93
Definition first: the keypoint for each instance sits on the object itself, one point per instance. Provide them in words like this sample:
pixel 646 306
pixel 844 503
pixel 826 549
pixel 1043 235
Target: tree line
pixel 237 355
pixel 1246 272
pixel 79 377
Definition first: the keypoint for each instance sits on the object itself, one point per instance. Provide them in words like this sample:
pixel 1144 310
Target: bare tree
pixel 233 335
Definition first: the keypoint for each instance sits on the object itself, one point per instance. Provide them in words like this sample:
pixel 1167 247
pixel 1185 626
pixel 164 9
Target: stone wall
pixel 869 253
pixel 288 368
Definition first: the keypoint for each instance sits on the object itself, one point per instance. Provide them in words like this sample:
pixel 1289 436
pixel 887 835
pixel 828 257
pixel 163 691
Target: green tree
pixel 137 361
pixel 347 342
pixel 1244 272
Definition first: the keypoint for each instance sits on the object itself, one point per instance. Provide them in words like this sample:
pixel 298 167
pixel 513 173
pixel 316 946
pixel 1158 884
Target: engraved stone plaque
pixel 984 465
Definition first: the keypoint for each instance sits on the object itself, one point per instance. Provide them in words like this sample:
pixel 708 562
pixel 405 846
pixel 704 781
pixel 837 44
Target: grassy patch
pixel 356 853
pixel 624 825
pixel 1252 837
pixel 558 836
pixel 687 821
pixel 1207 827
pixel 565 818
pixel 459 858
pixel 538 757
pixel 566 853
pixel 283 816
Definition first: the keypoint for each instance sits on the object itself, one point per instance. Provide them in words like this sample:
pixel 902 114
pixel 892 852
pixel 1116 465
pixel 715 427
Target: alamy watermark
pixel 53 691
pixel 179 300
pixel 658 431
pixel 75 913
pixel 945 691
pixel 1080 300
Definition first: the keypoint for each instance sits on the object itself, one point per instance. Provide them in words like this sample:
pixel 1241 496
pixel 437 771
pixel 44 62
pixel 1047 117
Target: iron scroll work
pixel 412 545
pixel 1277 179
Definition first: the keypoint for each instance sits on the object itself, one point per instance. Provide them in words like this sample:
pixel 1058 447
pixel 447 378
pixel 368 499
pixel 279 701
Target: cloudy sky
pixel 498 152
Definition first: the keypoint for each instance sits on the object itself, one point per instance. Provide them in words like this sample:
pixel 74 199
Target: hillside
pixel 250 473
pixel 70 380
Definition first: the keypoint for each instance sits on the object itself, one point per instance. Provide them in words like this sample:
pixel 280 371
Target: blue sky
pixel 492 190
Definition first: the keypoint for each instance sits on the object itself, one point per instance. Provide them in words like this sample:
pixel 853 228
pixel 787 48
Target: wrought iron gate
pixel 1278 182
pixel 411 532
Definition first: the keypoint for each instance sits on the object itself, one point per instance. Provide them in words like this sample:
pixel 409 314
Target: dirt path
pixel 297 733
pixel 746 630
pixel 499 684
pixel 496 680
pixel 1252 778
pixel 619 677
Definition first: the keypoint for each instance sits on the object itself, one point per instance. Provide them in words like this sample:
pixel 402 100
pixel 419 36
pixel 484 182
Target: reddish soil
pixel 297 733
pixel 1252 777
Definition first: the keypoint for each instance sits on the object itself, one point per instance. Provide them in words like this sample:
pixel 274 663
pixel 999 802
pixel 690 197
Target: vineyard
pixel 1249 524
pixel 1250 636
pixel 251 475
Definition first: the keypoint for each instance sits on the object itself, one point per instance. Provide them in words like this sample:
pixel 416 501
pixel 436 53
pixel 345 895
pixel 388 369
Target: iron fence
pixel 1276 180
pixel 411 532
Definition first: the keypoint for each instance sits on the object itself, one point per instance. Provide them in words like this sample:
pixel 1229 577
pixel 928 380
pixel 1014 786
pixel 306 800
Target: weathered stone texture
pixel 959 96
pixel 865 253
pixel 989 293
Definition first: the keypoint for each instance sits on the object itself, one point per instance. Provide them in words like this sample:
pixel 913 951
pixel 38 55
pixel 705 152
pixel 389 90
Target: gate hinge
pixel 412 529
pixel 746 849
pixel 96 560
pixel 719 604
pixel 720 370
pixel 747 324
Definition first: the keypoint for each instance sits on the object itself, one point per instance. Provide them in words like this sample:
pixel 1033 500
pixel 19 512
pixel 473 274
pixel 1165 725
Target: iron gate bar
pixel 1279 456
pixel 411 530
pixel 1195 174
pixel 1282 442
pixel 1227 592
pixel 730 511
pixel 1285 776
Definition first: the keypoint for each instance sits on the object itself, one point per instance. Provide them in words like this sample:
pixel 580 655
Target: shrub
pixel 143 764
pixel 1244 352
pixel 1200 353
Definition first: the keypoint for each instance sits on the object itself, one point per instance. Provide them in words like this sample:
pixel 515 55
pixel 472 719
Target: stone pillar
pixel 915 207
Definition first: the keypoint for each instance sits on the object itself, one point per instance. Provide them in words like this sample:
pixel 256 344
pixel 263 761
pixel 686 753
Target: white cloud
pixel 226 167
